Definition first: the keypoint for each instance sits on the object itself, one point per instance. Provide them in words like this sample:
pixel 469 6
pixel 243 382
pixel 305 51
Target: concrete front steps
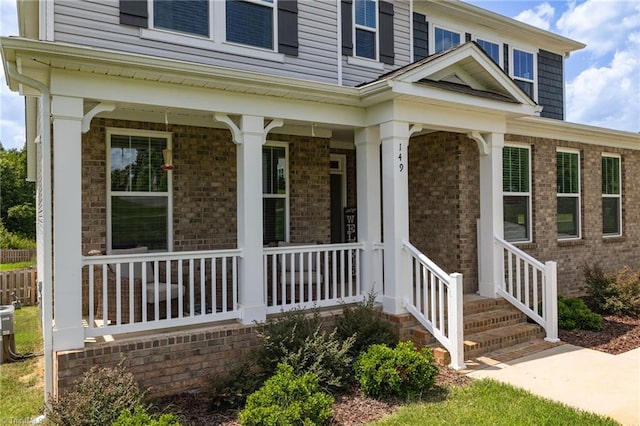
pixel 492 327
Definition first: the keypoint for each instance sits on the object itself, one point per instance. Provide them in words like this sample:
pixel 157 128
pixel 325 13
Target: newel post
pixel 456 322
pixel 551 301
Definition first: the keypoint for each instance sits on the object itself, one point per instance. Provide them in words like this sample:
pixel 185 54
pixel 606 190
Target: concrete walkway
pixel 582 378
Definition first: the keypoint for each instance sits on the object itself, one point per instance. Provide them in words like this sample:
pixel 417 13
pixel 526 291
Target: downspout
pixel 45 271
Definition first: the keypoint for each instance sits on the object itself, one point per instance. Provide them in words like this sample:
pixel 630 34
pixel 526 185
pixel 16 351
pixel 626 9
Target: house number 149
pixel 401 165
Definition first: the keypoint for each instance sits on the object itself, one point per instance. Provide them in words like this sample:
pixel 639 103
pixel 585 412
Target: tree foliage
pixel 17 196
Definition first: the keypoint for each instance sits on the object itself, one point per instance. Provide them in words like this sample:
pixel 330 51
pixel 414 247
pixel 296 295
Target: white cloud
pixel 540 16
pixel 608 96
pixel 603 25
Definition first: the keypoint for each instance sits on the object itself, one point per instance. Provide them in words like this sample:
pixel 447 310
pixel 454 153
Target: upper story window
pixel 275 192
pixel 190 17
pixel 366 34
pixel 250 22
pixel 568 194
pixel 516 188
pixel 445 39
pixel 139 202
pixel 611 196
pixel 523 71
pixel 491 49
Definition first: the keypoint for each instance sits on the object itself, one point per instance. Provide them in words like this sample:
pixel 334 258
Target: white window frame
pixel 528 194
pixel 375 31
pixel 512 49
pixel 217 34
pixel 432 36
pixel 577 195
pixel 618 196
pixel 169 193
pixel 286 196
pixel 500 62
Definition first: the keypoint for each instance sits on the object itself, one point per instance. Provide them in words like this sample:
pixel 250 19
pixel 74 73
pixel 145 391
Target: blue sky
pixel 602 80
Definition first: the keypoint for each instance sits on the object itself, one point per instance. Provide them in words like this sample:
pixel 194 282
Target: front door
pixel 338 197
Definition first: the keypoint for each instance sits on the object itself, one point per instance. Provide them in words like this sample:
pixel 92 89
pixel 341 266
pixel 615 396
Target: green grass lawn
pixel 486 402
pixel 21 383
pixel 14 266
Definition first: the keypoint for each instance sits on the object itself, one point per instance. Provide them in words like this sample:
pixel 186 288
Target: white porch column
pixel 491 215
pixel 67 114
pixel 249 138
pixel 395 204
pixel 367 141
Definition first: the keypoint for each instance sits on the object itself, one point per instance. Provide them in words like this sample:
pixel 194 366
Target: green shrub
pixel 287 399
pixel 230 390
pixel 141 417
pixel 366 325
pixel 403 371
pixel 9 240
pixel 573 313
pixel 617 294
pixel 283 335
pixel 325 356
pixel 96 399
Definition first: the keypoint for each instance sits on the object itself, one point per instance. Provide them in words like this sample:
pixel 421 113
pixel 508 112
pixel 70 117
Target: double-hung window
pixel 275 193
pixel 445 39
pixel 523 71
pixel 366 24
pixel 189 17
pixel 611 196
pixel 568 194
pixel 250 22
pixel 139 202
pixel 516 188
pixel 491 49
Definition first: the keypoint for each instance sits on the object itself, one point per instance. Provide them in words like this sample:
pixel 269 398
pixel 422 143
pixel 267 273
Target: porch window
pixel 445 39
pixel 275 193
pixel 523 71
pixel 568 194
pixel 516 187
pixel 366 28
pixel 250 22
pixel 139 199
pixel 611 196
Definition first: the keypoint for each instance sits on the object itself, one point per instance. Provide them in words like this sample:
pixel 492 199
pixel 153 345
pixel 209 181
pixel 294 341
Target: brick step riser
pixel 492 320
pixel 502 342
pixel 477 307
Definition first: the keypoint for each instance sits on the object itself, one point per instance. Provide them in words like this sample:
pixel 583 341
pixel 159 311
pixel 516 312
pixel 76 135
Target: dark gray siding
pixel 551 85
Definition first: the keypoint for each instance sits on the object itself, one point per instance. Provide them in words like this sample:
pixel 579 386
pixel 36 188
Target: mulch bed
pixel 619 334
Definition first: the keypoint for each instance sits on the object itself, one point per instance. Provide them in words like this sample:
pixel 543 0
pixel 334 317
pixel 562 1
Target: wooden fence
pixel 14 256
pixel 23 282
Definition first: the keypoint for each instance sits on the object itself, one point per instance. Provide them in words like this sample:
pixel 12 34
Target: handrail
pixel 151 256
pixel 442 317
pixel 529 285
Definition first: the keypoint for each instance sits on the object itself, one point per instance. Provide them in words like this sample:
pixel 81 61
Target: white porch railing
pixel 436 302
pixel 137 292
pixel 530 286
pixel 311 275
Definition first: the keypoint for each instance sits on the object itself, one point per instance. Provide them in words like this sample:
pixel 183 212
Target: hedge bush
pixel 141 417
pixel 573 313
pixel 615 293
pixel 403 371
pixel 288 399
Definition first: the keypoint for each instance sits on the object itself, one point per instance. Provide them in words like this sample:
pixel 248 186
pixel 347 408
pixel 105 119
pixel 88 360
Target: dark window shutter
pixel 288 27
pixel 347 27
pixel 385 17
pixel 505 57
pixel 467 37
pixel 134 13
pixel 420 36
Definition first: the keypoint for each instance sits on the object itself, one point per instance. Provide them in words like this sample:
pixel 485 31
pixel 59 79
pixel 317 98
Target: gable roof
pixel 464 69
